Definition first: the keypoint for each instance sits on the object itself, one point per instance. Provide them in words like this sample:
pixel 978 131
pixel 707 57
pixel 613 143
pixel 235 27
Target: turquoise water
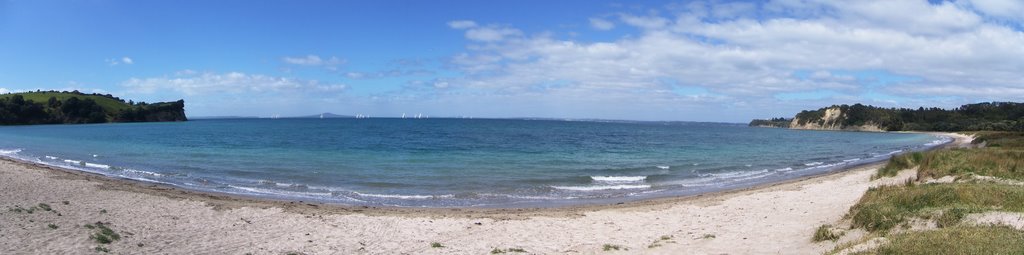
pixel 451 162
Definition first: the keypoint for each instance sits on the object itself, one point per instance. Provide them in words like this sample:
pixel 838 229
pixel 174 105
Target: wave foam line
pixel 10 152
pixel 619 178
pixel 597 188
pixel 403 196
pixel 814 163
pixel 94 165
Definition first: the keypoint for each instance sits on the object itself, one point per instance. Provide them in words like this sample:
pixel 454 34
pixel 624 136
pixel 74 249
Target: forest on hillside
pixel 78 108
pixel 993 116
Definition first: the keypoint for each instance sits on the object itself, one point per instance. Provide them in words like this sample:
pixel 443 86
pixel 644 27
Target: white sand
pixel 778 219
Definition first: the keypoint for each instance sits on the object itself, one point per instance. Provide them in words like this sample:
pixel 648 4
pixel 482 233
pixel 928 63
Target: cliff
pixel 833 118
pixel 994 116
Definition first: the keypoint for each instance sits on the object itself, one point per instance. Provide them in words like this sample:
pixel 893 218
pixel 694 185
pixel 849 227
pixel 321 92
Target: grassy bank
pixel 927 218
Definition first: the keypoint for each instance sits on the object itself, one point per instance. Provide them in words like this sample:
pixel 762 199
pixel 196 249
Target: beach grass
pixel 1004 163
pixel 436 245
pixel 899 162
pixel 886 207
pixel 826 233
pixel 1002 157
pixel 609 247
pixel 955 240
pixel 103 234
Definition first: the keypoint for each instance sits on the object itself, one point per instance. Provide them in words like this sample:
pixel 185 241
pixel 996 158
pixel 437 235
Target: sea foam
pixel 602 187
pixel 94 165
pixel 619 178
pixel 10 152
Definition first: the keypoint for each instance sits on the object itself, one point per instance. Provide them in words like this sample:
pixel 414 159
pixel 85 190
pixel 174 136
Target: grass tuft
pixel 436 245
pixel 825 233
pixel 609 247
pixel 104 234
pixel 52 226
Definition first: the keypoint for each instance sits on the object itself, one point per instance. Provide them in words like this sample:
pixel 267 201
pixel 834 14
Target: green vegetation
pixel 103 234
pixel 956 240
pixel 995 116
pixel 608 247
pixel 52 226
pixel 997 162
pixel 45 207
pixel 500 251
pixel 773 122
pixel 657 243
pixel 900 162
pixel 825 232
pixel 708 236
pixel 885 207
pixel 1003 158
pixel 53 107
pixel 101 249
pixel 436 245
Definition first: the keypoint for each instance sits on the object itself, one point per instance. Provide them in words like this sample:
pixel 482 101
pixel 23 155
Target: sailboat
pixel 321 115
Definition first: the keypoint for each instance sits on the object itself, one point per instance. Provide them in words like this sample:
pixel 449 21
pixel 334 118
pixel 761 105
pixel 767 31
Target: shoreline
pixel 238 200
pixel 772 218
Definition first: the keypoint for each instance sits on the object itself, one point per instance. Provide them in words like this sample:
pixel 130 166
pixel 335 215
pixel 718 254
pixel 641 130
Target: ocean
pixel 452 162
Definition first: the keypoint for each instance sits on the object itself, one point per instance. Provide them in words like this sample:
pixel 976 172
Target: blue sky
pixel 654 60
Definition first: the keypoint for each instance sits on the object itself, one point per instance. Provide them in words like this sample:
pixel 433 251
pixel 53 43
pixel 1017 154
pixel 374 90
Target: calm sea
pixel 451 162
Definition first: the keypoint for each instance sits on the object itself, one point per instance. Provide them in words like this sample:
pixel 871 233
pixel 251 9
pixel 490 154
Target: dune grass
pixel 955 240
pixel 886 207
pixel 996 162
pixel 825 233
pixel 899 162
pixel 1003 157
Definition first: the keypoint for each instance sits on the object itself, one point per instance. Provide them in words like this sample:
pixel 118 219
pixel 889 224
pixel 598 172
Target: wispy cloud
pixel 330 63
pixel 490 33
pixel 193 83
pixel 118 61
pixel 601 24
pixel 750 53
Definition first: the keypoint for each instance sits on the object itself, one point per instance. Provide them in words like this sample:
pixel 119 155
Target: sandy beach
pixel 153 219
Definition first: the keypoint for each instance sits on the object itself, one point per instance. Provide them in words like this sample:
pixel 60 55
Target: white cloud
pixel 743 55
pixel 191 83
pixel 491 34
pixel 1003 9
pixel 462 24
pixel 127 60
pixel 330 63
pixel 646 22
pixel 4 91
pixel 601 24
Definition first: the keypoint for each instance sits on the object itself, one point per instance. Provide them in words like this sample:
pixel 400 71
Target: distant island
pixel 994 116
pixel 73 107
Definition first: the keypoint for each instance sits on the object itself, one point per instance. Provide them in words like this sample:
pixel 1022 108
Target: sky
pixel 723 61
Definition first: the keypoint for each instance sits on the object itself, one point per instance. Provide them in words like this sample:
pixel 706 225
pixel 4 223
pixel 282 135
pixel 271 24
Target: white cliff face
pixel 832 120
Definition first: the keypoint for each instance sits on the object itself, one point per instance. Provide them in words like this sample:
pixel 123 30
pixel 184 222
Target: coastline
pixel 131 205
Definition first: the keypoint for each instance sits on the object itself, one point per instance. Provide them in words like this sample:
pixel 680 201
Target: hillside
pixel 56 107
pixel 995 116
